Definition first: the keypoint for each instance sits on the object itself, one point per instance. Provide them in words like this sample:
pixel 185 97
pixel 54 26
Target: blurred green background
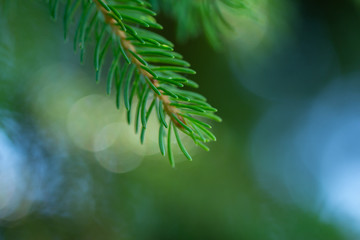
pixel 286 164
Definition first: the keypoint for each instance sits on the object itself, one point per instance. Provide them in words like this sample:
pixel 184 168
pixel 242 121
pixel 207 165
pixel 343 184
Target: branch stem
pixel 129 47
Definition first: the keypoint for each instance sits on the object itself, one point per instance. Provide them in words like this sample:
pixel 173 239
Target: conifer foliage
pixel 210 17
pixel 143 65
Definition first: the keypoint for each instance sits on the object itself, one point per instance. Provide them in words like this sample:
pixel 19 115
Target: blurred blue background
pixel 286 164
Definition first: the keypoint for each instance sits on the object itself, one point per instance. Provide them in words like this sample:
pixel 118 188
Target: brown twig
pixel 128 46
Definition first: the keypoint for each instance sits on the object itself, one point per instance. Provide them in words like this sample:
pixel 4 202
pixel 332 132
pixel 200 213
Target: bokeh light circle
pixel 86 120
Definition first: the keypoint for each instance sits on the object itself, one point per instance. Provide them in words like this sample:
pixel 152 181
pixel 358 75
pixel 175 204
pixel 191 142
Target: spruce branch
pixel 136 59
pixel 143 64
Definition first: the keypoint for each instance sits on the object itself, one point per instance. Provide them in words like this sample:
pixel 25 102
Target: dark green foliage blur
pixel 71 167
